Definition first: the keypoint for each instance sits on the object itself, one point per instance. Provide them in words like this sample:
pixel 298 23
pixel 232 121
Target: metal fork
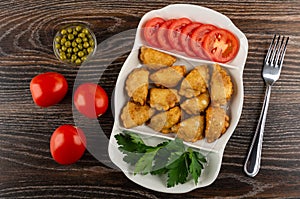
pixel 271 72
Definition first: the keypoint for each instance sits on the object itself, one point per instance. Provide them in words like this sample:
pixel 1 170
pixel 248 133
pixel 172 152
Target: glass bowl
pixel 74 43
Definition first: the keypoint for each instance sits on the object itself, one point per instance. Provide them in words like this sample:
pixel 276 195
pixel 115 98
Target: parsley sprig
pixel 169 158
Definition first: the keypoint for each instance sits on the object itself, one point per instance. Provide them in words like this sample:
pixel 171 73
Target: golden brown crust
pixel 196 105
pixel 135 114
pixel 137 84
pixel 154 59
pixel 191 129
pixel 169 76
pixel 165 120
pixel 195 82
pixel 163 98
pixel 221 87
pixel 217 123
pixel 203 94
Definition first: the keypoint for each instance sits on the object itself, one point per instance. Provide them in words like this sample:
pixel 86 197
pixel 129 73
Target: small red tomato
pixel 48 89
pixel 67 144
pixel 91 100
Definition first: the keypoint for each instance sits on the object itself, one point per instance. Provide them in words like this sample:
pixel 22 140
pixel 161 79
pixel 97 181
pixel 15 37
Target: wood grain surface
pixel 27 170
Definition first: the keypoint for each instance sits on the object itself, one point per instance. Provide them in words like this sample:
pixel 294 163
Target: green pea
pixel 78 28
pixel 73 57
pixel 78 40
pixel 74 44
pixel 70 50
pixel 75 50
pixel 90 49
pixel 57 39
pixel 86 44
pixel 68 44
pixel 78 61
pixel 82 35
pixel 90 36
pixel 80 46
pixel 57 46
pixel 63 31
pixel 63 48
pixel 85 51
pixel 75 32
pixel 70 36
pixel 85 39
pixel 92 43
pixel 85 31
pixel 69 55
pixel 70 30
pixel 63 41
pixel 83 58
pixel 63 56
pixel 80 54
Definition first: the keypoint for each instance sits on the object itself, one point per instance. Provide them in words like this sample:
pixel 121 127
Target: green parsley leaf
pixel 160 162
pixel 130 143
pixel 144 164
pixel 134 137
pixel 178 171
pixel 132 157
pixel 169 157
pixel 132 146
pixel 195 165
pixel 162 158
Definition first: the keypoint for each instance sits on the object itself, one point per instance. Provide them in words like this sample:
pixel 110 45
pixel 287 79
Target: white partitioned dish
pixel 213 151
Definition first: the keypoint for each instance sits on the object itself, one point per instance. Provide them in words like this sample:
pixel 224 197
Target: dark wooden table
pixel 26 167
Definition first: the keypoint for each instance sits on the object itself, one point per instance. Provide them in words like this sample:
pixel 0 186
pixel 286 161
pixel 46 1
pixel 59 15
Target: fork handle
pixel 252 163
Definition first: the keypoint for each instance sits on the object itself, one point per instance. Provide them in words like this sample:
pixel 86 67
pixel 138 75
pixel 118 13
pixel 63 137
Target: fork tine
pixel 275 51
pixel 278 52
pixel 283 52
pixel 270 49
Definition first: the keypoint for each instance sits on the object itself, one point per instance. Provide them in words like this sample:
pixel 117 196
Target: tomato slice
pixel 162 34
pixel 174 32
pixel 221 45
pixel 185 38
pixel 150 30
pixel 197 39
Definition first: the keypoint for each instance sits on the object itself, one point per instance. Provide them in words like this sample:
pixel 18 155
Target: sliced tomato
pixel 174 32
pixel 150 30
pixel 197 39
pixel 185 38
pixel 221 45
pixel 162 34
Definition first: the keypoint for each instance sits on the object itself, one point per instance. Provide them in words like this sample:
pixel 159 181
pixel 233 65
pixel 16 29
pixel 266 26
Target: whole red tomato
pixel 91 100
pixel 48 88
pixel 67 144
